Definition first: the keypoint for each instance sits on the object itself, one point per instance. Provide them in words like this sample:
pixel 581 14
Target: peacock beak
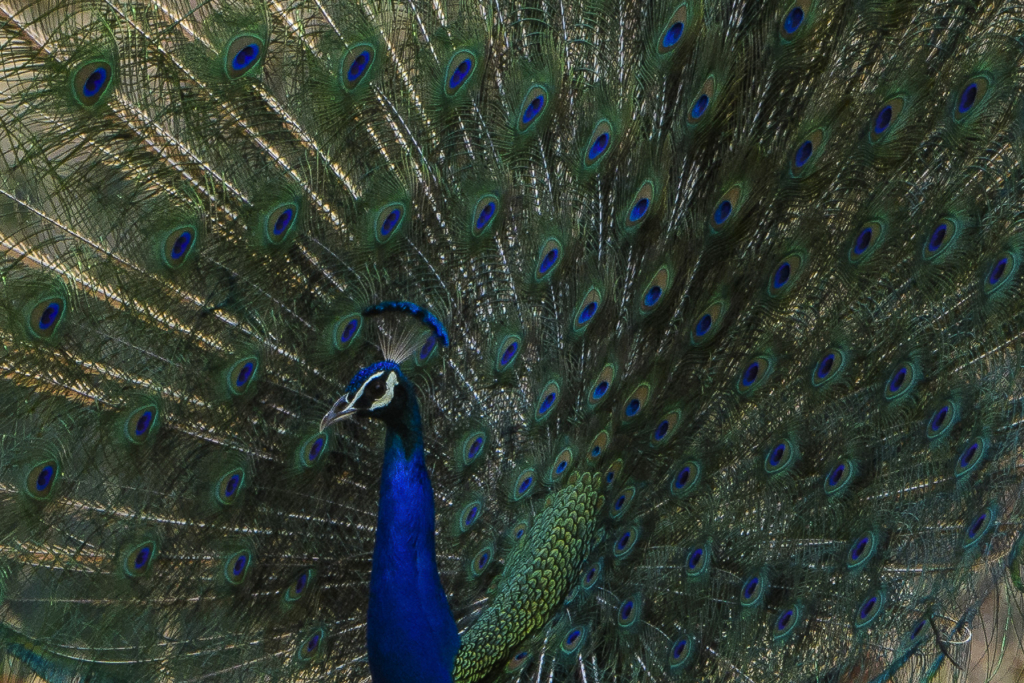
pixel 338 412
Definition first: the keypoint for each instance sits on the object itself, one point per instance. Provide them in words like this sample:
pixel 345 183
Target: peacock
pixel 443 341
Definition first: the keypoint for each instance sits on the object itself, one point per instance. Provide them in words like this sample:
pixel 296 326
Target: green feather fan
pixel 720 372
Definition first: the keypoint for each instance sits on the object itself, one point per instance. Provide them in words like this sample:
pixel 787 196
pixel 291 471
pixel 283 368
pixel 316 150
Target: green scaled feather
pixel 536 575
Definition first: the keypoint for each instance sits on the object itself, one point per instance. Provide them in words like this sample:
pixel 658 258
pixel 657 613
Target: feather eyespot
pixel 484 212
pixel 754 375
pixel 885 118
pixel 91 81
pixel 1001 272
pixel 460 70
pixel 517 661
pixel 780 457
pixel 869 610
pixel 639 208
pixel 803 153
pixel 972 454
pixel 828 367
pixel 976 529
pixel 655 290
pixel 299 586
pixel 839 477
pixel 621 502
pixel 600 444
pixel 389 221
pixel 599 144
pixel 942 420
pixel 752 590
pixel 698 559
pixel 613 472
pixel 588 309
pixel 685 478
pixel 312 449
pixel 900 381
pixel 507 352
pixel 672 34
pixel 681 653
pixel 45 317
pixel 785 275
pixel 709 322
pixel 601 385
pixel 636 402
pixel 241 374
pixel 279 223
pixel 548 260
pixel 561 465
pixel 138 559
pixel 470 514
pixel 794 19
pixel 696 111
pixel 243 55
pixel 652 297
pixel 140 422
pixel 722 211
pixel 346 330
pixel 967 97
pixel 40 479
pixel 625 542
pixel 518 530
pixel 940 238
pixel 524 484
pixel 700 105
pixel 807 151
pixel 862 550
pixel 751 374
pixel 178 246
pixel 548 400
pixel 229 486
pixel 473 446
pixel 236 567
pixel 666 427
pixel 629 612
pixel 970 97
pixel 427 349
pixel 478 565
pixel 787 620
pixel 311 648
pixel 533 107
pixel 726 209
pixel 917 633
pixel 866 241
pixel 573 639
pixel 356 65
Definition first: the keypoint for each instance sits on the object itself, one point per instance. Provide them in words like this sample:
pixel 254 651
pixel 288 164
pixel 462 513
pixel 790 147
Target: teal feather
pixel 733 297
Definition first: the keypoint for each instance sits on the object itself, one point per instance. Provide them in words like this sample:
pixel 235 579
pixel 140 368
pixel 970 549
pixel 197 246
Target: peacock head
pixel 380 391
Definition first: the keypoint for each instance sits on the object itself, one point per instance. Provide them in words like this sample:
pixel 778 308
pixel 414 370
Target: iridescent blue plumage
pixel 411 635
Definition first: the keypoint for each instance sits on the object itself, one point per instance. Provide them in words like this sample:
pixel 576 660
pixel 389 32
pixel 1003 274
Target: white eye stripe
pixel 389 393
pixel 362 388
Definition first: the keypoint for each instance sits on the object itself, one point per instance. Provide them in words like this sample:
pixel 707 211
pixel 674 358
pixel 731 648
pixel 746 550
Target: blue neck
pixel 411 635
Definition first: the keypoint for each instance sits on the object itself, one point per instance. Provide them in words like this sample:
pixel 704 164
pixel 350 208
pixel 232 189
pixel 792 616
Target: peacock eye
pixel 375 389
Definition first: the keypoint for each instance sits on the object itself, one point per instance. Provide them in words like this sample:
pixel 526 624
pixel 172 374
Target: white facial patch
pixel 389 393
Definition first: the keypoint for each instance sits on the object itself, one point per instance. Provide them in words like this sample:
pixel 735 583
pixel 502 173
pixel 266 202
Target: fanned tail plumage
pixel 712 311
